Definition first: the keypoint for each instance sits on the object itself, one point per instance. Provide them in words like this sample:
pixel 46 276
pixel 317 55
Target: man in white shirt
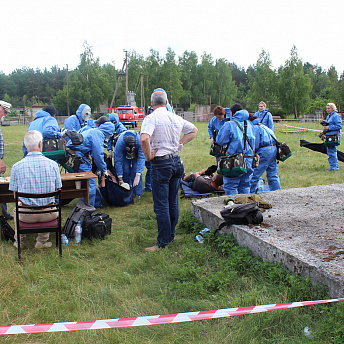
pixel 161 143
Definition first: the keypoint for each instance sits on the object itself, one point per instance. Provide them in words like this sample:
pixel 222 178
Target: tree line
pixel 291 90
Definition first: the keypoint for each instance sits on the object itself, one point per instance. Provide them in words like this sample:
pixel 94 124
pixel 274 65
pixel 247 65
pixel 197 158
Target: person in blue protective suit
pixel 93 146
pixel 265 147
pixel 332 126
pixel 264 116
pixel 119 128
pixel 90 124
pixel 216 123
pixel 232 135
pixel 79 120
pixel 130 160
pixel 46 125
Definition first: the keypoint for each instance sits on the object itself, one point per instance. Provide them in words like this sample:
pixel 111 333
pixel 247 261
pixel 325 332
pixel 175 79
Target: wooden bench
pixel 276 118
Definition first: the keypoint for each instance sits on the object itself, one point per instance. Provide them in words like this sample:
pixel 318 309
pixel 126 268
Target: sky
pixel 41 34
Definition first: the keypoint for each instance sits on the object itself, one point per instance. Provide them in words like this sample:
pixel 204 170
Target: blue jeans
pixel 166 175
pixel 86 166
pixel 332 158
pixel 148 183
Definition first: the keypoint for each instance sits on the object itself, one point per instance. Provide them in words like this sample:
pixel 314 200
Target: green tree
pixel 262 83
pixel 294 86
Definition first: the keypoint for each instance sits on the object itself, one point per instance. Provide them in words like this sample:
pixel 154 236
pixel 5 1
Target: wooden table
pixel 69 189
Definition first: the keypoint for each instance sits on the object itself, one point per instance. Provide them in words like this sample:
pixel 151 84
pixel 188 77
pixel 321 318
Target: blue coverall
pixel 129 167
pixel 265 147
pixel 75 122
pixel 46 125
pixel 93 145
pixel 230 133
pixel 334 127
pixel 265 118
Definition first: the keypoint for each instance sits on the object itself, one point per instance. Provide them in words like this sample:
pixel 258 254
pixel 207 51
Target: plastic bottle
pixel 64 240
pixel 205 230
pixel 260 186
pixel 308 333
pixel 77 233
pixel 199 238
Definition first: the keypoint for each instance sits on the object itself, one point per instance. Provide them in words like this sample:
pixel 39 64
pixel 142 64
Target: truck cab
pixel 128 115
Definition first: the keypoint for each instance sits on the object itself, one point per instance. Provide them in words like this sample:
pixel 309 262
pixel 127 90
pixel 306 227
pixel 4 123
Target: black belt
pixel 268 145
pixel 167 156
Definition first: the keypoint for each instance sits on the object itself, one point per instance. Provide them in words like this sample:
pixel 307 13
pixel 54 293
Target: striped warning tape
pixel 154 319
pixel 302 128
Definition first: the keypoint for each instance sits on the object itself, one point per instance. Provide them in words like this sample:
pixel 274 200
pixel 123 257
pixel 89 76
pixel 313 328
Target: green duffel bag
pixel 232 165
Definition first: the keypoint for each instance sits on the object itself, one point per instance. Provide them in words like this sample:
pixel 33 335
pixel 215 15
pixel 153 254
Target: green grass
pixel 116 278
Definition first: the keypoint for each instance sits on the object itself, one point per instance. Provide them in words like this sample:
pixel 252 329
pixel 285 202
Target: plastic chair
pixel 39 227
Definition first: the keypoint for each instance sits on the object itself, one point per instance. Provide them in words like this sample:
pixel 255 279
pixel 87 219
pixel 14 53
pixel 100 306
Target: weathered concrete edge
pixel 270 252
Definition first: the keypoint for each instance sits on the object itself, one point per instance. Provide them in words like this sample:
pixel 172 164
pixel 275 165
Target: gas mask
pixel 86 113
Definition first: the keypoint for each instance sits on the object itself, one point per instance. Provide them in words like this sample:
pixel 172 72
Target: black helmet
pixel 101 120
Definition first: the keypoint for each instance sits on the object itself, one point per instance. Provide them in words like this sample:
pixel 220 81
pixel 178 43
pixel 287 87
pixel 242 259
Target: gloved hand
pixel 98 173
pixel 137 179
pixel 211 140
pixel 120 180
pixel 64 132
pixel 110 154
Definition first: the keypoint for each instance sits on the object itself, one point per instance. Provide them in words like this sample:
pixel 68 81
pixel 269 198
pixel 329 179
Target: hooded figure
pixel 130 160
pixel 46 125
pixel 77 121
pixel 113 117
pixel 231 134
pixel 265 147
pixel 93 145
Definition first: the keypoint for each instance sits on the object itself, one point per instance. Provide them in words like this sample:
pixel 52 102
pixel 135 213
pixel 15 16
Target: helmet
pixel 101 120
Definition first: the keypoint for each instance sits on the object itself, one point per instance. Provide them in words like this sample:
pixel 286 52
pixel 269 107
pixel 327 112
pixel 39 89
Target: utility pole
pixel 126 77
pixel 121 73
pixel 67 93
pixel 142 94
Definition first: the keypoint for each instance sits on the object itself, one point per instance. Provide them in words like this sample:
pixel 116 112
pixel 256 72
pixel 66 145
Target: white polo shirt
pixel 165 129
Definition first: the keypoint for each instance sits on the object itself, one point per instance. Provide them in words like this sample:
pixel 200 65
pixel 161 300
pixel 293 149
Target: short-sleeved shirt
pixel 35 174
pixel 164 129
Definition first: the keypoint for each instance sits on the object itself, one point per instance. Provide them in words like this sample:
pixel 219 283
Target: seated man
pixel 205 181
pixel 35 174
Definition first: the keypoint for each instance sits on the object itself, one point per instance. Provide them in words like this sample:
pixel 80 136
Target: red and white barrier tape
pixel 154 319
pixel 302 128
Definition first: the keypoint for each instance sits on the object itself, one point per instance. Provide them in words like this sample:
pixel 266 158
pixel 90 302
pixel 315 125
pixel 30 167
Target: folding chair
pixel 39 227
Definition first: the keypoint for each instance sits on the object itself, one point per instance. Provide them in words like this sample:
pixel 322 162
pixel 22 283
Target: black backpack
pixel 79 213
pixel 241 214
pixel 96 226
pixel 7 232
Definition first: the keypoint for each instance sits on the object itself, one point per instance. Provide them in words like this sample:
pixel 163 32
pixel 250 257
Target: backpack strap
pixel 263 117
pixel 245 136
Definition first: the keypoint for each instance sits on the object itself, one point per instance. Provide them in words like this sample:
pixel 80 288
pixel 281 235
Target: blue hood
pixel 41 113
pixel 113 117
pixel 241 115
pixel 107 128
pixel 79 112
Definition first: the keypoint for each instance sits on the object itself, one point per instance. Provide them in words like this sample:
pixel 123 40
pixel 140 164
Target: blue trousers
pixel 129 173
pixel 148 182
pixel 267 163
pixel 332 158
pixel 240 184
pixel 166 177
pixel 86 166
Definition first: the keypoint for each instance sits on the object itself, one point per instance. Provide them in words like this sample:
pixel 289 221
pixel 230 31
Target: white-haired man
pixel 161 143
pixel 5 108
pixel 35 174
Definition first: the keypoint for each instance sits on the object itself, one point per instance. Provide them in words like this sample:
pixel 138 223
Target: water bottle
pixel 205 230
pixel 64 240
pixel 77 233
pixel 199 238
pixel 260 186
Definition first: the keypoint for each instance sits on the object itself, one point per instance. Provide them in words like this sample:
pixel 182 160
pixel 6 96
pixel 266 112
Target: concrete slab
pixel 305 231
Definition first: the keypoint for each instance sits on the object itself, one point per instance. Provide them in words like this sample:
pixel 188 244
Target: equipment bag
pixel 241 214
pixel 217 150
pixel 283 151
pixel 96 226
pixel 231 165
pixel 79 213
pixel 52 145
pixel 72 161
pixel 331 140
pixel 75 137
pixel 7 232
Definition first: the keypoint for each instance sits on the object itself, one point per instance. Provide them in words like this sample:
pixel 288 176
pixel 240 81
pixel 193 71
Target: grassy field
pixel 116 278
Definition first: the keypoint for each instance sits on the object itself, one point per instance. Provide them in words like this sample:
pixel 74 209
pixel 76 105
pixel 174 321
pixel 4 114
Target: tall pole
pixel 68 112
pixel 126 77
pixel 142 95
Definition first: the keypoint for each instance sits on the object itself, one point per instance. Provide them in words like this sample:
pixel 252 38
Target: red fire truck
pixel 128 115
